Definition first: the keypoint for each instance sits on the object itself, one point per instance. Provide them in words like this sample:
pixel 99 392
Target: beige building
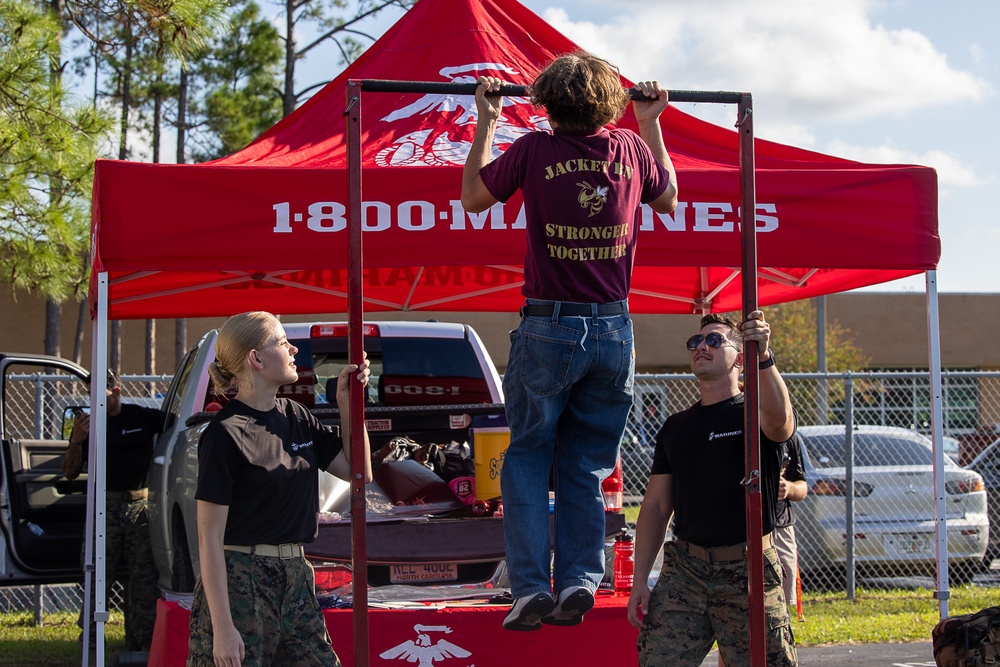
pixel 889 328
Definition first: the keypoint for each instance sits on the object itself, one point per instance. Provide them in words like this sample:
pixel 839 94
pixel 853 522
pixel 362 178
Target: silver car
pixel 893 506
pixel 987 464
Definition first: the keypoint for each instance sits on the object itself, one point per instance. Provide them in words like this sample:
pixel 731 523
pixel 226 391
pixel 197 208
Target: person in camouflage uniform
pixel 258 498
pixel 701 596
pixel 131 430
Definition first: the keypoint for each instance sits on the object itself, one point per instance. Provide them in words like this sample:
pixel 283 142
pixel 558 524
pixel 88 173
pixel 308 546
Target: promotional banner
pixel 266 228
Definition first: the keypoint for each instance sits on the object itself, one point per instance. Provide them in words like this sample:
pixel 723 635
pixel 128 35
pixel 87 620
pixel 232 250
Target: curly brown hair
pixel 580 92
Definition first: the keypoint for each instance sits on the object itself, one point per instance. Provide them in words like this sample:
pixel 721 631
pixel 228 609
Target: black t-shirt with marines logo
pixel 265 466
pixel 703 448
pixel 130 436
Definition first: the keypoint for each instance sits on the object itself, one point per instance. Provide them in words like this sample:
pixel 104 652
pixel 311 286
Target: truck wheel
pixel 181 571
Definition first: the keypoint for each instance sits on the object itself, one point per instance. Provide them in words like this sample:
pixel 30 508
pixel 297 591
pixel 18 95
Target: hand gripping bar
pixel 442 87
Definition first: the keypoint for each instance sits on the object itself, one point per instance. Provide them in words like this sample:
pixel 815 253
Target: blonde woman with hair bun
pixel 259 461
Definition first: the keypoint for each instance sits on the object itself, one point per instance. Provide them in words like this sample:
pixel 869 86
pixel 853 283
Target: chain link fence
pixel 886 529
pixel 887 540
pixel 35 404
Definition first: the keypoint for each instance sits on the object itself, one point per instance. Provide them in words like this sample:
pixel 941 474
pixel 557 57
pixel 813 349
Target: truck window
pixel 404 371
pixel 180 383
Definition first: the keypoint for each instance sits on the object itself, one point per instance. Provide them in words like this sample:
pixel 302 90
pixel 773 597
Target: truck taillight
pixel 330 577
pixel 339 330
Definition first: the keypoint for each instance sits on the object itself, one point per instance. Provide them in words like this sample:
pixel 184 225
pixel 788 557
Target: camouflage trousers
pixel 129 559
pixel 695 603
pixel 274 608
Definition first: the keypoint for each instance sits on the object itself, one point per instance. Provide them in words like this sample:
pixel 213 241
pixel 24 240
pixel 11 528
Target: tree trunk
pixel 53 320
pixel 180 339
pixel 126 99
pixel 115 353
pixel 288 99
pixel 157 112
pixel 150 367
pixel 182 89
pixel 151 324
pixel 53 310
pixel 81 317
pixel 180 324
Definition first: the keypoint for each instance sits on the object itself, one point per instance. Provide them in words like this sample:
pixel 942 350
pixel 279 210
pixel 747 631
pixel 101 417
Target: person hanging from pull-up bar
pixel 568 383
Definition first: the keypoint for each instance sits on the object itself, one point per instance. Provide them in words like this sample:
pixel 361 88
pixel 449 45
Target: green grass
pixel 631 513
pixel 881 616
pixel 874 616
pixel 55 642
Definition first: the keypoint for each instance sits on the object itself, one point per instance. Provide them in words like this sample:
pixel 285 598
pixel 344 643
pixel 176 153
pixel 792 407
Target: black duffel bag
pixel 968 640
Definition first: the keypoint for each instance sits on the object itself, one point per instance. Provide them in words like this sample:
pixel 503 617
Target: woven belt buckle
pixel 723 554
pixel 716 554
pixel 286 551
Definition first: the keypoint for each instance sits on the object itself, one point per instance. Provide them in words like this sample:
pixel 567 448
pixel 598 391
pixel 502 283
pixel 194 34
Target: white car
pixel 894 506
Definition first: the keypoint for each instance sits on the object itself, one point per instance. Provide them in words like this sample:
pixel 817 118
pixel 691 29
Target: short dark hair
pixel 734 328
pixel 580 92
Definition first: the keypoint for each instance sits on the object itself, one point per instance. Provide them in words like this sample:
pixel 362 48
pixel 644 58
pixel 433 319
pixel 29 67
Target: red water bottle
pixel 612 489
pixel 624 563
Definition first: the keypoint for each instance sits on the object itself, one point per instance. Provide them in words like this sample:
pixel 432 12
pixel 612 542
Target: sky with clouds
pixel 890 81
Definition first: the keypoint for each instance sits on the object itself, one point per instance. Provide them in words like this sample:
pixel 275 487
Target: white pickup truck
pixel 431 383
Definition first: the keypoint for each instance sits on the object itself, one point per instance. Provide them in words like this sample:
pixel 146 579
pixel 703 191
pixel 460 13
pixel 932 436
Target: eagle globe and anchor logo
pixel 424 650
pixel 438 146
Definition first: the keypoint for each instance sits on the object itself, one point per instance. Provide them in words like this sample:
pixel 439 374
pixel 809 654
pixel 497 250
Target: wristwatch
pixel 767 363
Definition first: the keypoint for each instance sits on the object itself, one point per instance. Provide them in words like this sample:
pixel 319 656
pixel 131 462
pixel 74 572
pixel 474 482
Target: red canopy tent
pixel 267 228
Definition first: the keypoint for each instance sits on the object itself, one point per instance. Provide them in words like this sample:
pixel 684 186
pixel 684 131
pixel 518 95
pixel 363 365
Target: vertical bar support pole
pixel 359 544
pixel 755 553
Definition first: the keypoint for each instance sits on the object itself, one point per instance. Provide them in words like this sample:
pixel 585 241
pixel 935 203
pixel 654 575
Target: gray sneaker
pixel 573 603
pixel 526 613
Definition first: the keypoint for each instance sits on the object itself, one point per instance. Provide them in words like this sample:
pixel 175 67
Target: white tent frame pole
pixel 95 564
pixel 88 534
pixel 942 594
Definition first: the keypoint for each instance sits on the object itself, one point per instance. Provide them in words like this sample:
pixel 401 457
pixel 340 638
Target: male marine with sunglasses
pixel 701 596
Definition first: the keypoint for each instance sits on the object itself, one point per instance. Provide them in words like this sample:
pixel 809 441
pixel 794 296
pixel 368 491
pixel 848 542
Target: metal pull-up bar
pixel 744 124
pixel 514 90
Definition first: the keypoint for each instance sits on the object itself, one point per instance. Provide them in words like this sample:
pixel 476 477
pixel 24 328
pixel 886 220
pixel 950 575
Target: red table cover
pixel 453 636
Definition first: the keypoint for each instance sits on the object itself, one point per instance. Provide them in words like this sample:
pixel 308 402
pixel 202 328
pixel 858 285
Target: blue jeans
pixel 568 391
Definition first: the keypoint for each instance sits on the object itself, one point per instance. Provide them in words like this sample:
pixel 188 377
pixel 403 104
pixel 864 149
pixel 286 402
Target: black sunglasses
pixel 714 340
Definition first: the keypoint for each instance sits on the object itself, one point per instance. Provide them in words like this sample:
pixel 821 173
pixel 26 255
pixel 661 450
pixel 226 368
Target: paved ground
pixel 871 655
pixel 915 654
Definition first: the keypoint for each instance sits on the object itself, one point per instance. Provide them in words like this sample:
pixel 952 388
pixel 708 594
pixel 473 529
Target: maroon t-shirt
pixel 581 198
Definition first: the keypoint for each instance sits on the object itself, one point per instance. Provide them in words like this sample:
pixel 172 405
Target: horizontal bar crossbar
pixel 444 87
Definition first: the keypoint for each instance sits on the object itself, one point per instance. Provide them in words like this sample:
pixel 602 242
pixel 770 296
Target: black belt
pixel 570 309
